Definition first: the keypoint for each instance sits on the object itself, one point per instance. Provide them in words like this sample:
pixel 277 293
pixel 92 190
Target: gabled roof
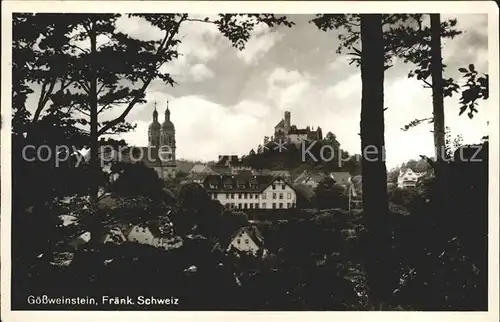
pixel 201 168
pixel 253 232
pixel 307 176
pixel 183 166
pixel 276 178
pixel 301 177
pixel 280 124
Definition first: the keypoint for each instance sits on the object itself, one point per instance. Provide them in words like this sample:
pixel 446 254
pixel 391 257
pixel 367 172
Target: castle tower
pixel 154 130
pixel 287 122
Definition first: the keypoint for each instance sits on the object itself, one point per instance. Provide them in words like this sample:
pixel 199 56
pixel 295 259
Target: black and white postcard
pixel 219 159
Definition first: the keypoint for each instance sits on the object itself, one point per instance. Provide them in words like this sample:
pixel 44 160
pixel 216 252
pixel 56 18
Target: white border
pixel 288 7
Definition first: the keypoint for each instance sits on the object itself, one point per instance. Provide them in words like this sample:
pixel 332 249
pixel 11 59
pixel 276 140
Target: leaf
pixel 471 67
pixel 463 70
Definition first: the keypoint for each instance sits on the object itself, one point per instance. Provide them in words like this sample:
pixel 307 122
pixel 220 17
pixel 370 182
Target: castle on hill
pixel 284 131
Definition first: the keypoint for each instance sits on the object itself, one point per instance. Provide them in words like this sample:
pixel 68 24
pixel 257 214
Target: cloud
pixel 226 101
pixel 200 72
pixel 262 40
pixel 138 28
pixel 205 129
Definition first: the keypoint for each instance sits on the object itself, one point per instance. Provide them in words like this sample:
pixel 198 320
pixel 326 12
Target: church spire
pixel 155 114
pixel 167 113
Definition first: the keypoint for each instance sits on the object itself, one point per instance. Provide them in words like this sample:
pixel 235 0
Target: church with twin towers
pixel 161 138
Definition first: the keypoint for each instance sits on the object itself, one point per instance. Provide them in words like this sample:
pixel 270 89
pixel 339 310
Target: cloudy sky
pixel 227 100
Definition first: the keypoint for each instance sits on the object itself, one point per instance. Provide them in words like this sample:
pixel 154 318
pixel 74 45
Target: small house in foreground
pixel 247 239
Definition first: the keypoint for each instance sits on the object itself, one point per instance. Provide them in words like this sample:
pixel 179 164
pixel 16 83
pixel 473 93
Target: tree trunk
pixel 94 153
pixel 373 169
pixel 437 87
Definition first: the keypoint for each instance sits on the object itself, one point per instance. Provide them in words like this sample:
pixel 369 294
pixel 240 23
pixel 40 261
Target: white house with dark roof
pixel 151 235
pixel 247 239
pixel 251 191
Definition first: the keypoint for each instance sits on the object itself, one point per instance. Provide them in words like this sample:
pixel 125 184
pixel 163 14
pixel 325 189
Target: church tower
pixel 154 130
pixel 167 136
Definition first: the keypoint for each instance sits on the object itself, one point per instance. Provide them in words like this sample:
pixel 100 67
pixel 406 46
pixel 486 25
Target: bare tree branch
pixel 166 42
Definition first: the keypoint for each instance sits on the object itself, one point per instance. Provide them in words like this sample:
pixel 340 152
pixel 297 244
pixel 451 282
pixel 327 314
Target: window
pixel 274 205
pixel 215 196
pixel 212 186
pixel 289 195
pixel 245 206
pixel 241 186
pixel 280 205
pixel 137 229
pixel 289 205
pixel 227 195
pixel 274 195
pixel 247 241
pixel 227 186
pixel 134 239
pixel 264 196
pixel 232 196
pixel 254 186
pixel 257 205
pixel 250 196
pixel 264 205
pixel 239 206
pixel 256 196
pixel 238 241
pixel 231 205
pixel 245 195
pixel 274 186
pixel 283 187
pixel 281 196
pixel 251 206
pixel 240 196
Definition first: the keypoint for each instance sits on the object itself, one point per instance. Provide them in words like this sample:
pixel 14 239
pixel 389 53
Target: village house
pixel 201 169
pixel 248 240
pixel 408 178
pixel 245 191
pixel 309 179
pixel 151 235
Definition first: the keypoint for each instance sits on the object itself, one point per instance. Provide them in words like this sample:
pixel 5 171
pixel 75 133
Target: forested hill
pixel 314 155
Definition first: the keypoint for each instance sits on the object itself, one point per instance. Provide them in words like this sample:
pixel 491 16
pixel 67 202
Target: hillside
pixel 311 156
